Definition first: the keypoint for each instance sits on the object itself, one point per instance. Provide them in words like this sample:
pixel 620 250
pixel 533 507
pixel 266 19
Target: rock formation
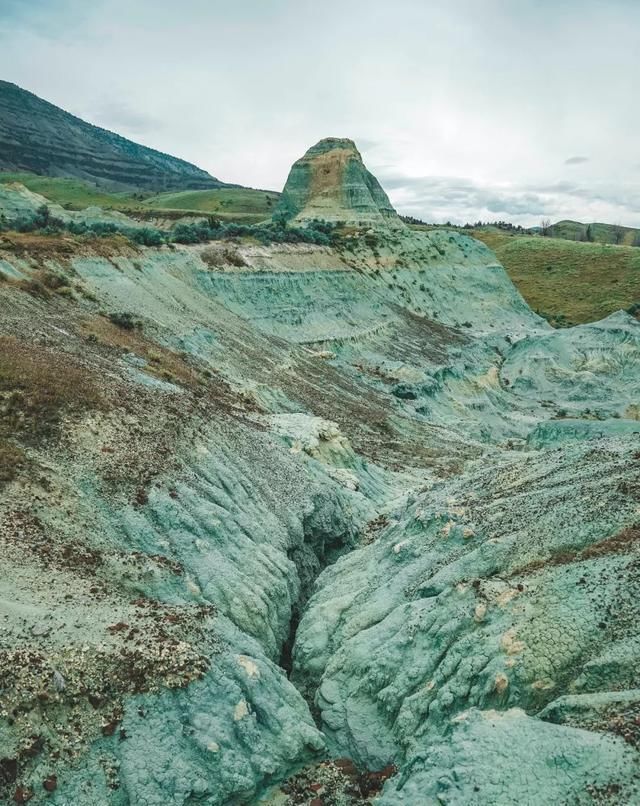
pixel 38 137
pixel 331 182
pixel 370 465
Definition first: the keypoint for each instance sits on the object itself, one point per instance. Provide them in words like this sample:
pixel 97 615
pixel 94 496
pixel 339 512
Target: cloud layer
pixel 464 111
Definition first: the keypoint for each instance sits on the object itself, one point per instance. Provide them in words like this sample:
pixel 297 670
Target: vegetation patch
pixel 44 224
pixel 124 319
pixel 37 386
pixel 240 204
pixel 12 461
pixel 230 204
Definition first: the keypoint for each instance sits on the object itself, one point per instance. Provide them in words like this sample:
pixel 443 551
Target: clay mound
pixel 332 183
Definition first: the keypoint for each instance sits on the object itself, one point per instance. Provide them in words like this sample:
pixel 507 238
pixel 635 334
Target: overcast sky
pixel 515 109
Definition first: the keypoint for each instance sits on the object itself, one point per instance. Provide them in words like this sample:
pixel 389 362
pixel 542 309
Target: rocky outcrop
pixel 38 137
pixel 332 183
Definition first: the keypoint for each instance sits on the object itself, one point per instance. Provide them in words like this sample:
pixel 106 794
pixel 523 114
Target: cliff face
pixel 38 137
pixel 331 182
pixel 373 466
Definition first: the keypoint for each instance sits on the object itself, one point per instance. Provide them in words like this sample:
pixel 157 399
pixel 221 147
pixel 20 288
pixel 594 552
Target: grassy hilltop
pixel 568 282
pixel 242 204
pixel 230 203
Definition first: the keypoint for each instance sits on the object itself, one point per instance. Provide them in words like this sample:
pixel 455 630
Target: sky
pixel 468 110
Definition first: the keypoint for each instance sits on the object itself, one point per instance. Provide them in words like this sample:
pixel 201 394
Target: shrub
pixel 145 236
pixel 53 280
pixel 12 460
pixel 124 320
pixel 40 220
pixel 316 232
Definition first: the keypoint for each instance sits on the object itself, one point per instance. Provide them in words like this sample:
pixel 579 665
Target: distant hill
pixel 569 283
pixel 243 205
pixel 38 137
pixel 237 204
pixel 597 233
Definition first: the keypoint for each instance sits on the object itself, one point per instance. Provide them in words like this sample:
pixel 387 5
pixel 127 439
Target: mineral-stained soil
pixel 293 524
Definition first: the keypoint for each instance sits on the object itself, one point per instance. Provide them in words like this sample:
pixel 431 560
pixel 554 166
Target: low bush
pixel 317 232
pixel 124 320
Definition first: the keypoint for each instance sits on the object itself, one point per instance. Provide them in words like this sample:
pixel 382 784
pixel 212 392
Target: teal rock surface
pixel 316 503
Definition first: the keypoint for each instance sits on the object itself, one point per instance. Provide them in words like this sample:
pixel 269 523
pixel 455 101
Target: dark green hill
pixel 38 137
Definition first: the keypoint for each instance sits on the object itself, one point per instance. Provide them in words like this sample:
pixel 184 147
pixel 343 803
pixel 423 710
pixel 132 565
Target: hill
pixel 227 203
pixel 565 281
pixel 242 204
pixel 38 137
pixel 597 233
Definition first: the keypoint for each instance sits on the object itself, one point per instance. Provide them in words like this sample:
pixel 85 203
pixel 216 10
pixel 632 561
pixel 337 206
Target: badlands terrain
pixel 325 522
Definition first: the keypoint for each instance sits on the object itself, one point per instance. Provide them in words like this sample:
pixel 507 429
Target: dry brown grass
pixel 38 246
pixel 162 362
pixel 37 386
pixel 565 281
pixel 12 460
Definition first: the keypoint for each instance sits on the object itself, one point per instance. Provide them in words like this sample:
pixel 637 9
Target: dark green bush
pixel 123 319
pixel 316 232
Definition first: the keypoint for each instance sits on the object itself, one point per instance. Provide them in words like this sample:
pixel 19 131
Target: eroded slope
pixel 203 446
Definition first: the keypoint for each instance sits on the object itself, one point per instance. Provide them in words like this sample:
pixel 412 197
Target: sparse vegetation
pixel 124 320
pixel 12 460
pixel 36 387
pixel 317 232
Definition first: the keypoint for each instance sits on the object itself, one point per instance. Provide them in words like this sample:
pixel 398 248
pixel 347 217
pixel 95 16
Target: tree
pixel 546 228
pixel 589 234
pixel 43 216
pixel 618 234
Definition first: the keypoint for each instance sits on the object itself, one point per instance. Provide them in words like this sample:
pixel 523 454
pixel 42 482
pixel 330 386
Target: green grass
pixel 600 233
pixel 75 194
pixel 566 281
pixel 229 203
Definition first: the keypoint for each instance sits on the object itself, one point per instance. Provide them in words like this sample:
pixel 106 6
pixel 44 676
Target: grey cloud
pixel 149 70
pixel 120 116
pixel 461 194
pixel 461 199
pixel 366 144
pixel 553 187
